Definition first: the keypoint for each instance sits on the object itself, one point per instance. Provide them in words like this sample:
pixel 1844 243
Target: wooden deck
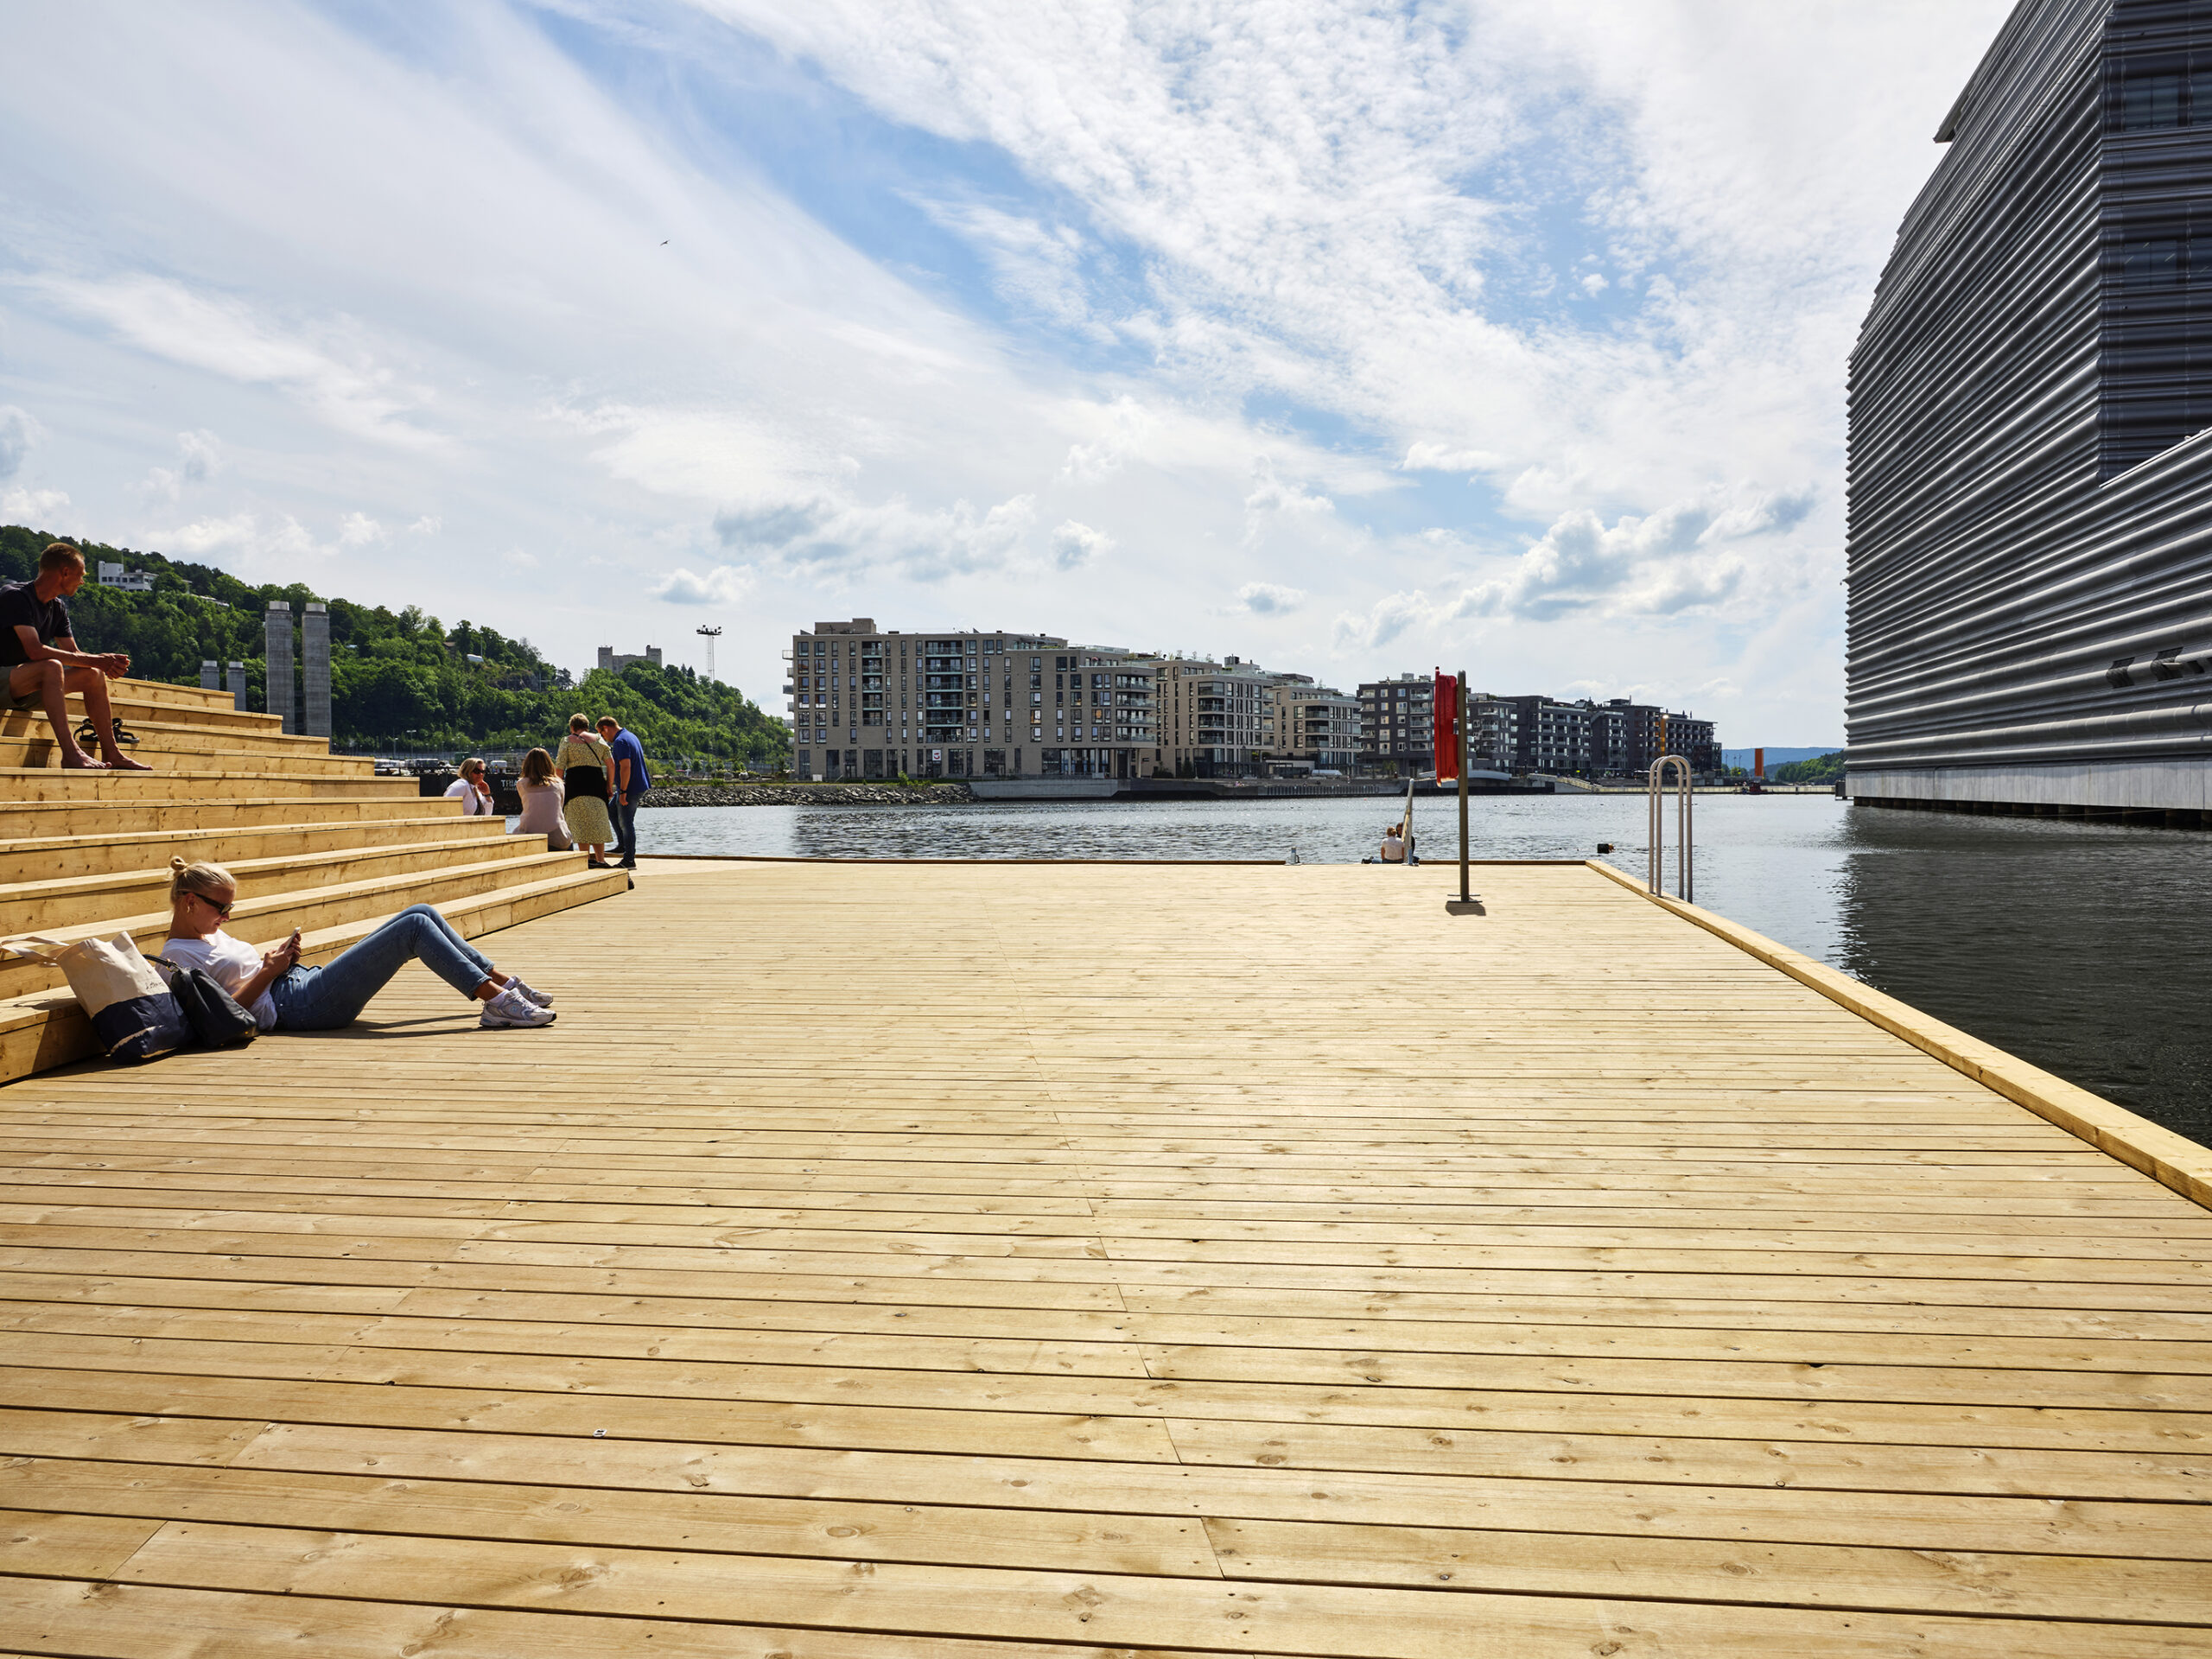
pixel 896 1262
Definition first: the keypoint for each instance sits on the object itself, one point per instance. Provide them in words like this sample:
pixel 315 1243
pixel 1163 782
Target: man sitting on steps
pixel 44 665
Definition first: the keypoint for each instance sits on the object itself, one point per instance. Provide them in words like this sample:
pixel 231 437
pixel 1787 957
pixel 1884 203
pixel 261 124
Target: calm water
pixel 2076 946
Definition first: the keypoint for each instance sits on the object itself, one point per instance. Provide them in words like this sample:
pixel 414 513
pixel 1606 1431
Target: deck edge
pixel 2172 1160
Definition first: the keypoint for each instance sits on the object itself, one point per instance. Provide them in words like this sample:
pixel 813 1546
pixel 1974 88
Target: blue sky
pixel 1351 338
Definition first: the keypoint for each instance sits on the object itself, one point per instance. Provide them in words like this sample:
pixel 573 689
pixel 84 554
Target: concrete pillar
pixel 238 686
pixel 315 671
pixel 277 663
pixel 211 676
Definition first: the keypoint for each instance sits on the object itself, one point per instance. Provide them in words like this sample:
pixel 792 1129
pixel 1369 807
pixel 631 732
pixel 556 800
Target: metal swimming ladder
pixel 1657 834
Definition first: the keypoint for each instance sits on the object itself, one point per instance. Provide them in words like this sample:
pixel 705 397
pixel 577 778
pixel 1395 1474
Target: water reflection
pixel 2075 946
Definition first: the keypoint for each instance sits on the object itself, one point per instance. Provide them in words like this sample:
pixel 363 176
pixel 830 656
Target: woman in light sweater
pixel 284 997
pixel 472 789
pixel 541 802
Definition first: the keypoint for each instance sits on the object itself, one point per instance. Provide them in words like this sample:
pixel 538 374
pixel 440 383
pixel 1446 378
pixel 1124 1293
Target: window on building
pixel 2151 262
pixel 2150 100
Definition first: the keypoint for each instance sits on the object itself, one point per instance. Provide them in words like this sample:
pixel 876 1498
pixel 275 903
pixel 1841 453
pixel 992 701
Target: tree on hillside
pixel 397 678
pixel 1825 769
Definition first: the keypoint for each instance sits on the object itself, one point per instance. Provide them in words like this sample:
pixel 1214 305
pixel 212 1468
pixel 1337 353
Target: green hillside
pixel 398 681
pixel 1825 769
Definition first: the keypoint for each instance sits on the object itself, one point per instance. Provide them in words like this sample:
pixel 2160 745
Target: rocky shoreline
pixel 809 795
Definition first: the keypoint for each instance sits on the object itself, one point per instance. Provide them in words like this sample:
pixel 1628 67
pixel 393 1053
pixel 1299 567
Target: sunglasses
pixel 220 910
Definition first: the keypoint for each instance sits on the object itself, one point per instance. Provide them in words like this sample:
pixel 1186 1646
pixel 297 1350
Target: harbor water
pixel 2076 946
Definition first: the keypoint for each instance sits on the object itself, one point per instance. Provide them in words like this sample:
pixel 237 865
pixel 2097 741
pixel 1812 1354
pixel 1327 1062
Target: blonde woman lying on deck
pixel 284 997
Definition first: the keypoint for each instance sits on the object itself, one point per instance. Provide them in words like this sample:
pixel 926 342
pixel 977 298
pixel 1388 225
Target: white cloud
pixel 1266 599
pixel 1035 266
pixel 324 368
pixel 256 546
pixel 447 284
pixel 1075 545
pixel 17 433
pixel 31 506
pixel 201 457
pixel 1677 559
pixel 520 559
pixel 842 539
pixel 358 530
pixel 428 524
pixel 722 585
pixel 1385 621
pixel 1429 457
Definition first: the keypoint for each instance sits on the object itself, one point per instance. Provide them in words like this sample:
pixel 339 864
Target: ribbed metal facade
pixel 2031 481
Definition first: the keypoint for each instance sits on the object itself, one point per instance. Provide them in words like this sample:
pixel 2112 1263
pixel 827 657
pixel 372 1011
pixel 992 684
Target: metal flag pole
pixel 1459 708
pixel 1466 903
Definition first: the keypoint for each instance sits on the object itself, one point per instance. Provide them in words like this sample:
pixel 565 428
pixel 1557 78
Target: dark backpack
pixel 213 1014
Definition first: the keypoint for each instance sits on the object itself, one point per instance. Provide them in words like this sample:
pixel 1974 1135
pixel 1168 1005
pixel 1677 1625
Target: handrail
pixel 1657 832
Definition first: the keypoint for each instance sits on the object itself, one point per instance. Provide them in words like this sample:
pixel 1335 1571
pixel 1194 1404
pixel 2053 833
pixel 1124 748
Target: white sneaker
pixel 511 1008
pixel 514 983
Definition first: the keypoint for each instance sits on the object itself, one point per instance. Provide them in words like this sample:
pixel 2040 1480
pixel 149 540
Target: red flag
pixel 1444 711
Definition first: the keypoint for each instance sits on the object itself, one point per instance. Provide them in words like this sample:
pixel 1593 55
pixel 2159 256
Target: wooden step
pixel 26 740
pixel 214 717
pixel 176 696
pixel 205 780
pixel 63 820
pixel 54 859
pixel 134 707
pixel 186 705
pixel 48 1029
pixel 265 918
pixel 70 901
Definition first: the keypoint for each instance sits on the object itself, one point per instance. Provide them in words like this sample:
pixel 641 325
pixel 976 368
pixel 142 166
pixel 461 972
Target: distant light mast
pixel 710 635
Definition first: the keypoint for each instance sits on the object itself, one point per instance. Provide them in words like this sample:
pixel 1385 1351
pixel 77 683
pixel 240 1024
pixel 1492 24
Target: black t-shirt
pixel 20 608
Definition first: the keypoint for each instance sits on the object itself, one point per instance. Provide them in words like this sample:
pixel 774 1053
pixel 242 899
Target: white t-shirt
pixel 474 804
pixel 230 963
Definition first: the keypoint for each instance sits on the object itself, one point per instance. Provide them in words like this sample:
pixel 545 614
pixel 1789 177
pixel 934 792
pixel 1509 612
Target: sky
pixel 1502 335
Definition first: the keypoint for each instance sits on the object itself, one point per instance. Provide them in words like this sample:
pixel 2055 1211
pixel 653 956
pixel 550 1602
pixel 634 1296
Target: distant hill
pixel 398 681
pixel 1774 757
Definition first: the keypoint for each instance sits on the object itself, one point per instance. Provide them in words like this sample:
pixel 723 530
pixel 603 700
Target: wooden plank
pixel 1789 1575
pixel 132 1621
pixel 591 1514
pixel 1689 1314
pixel 1141 1613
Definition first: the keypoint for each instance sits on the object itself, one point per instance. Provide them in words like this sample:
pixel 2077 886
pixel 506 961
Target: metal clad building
pixel 2030 478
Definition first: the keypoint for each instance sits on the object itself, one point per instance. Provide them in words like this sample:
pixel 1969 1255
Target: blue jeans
pixel 323 999
pixel 625 827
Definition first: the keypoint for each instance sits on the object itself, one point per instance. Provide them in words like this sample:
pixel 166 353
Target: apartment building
pixel 1396 724
pixel 1216 720
pixel 1493 732
pixel 1694 740
pixel 1550 736
pixel 871 702
pixel 1315 725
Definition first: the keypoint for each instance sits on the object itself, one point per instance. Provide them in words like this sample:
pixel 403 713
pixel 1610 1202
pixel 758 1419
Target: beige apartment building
pixel 1215 720
pixel 1316 726
pixel 871 702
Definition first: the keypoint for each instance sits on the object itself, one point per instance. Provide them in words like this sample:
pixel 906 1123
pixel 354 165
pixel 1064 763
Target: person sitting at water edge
pixel 541 802
pixel 471 789
pixel 44 665
pixel 284 997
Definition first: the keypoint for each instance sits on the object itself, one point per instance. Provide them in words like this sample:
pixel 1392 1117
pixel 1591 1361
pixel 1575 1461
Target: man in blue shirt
pixel 630 783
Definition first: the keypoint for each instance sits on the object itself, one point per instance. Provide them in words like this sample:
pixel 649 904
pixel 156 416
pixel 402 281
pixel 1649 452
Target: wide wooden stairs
pixel 316 841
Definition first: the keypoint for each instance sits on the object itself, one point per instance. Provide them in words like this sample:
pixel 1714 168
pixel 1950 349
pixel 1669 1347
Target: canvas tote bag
pixel 133 1014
